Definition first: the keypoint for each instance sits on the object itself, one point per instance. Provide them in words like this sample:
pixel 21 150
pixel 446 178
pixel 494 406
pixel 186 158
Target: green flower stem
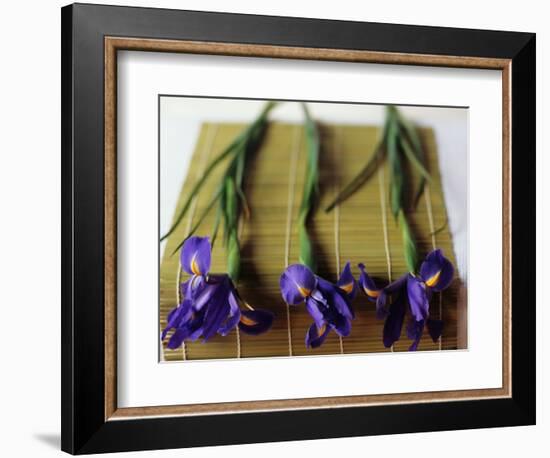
pixel 229 197
pixel 310 191
pixel 232 219
pixel 409 245
pixel 399 144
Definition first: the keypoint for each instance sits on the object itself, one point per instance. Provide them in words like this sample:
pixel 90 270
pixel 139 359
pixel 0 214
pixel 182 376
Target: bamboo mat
pixel 354 232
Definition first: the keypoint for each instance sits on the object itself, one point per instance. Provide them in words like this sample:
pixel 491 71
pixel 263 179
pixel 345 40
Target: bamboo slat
pixel 354 232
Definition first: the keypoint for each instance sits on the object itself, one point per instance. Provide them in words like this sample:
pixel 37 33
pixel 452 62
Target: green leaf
pixel 440 229
pixel 413 159
pixel 309 193
pixel 236 146
pixel 244 202
pixel 233 192
pixel 240 160
pixel 417 165
pixel 198 185
pixel 419 192
pixel 396 170
pixel 361 178
pixel 409 244
pixel 230 202
pixel 216 226
pixel 200 220
pixel 411 134
pixel 312 168
pixel 306 255
pixel 370 167
pixel 397 186
pixel 233 256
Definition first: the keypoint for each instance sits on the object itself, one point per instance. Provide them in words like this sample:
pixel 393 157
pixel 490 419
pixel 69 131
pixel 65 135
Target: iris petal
pixel 297 282
pixel 195 256
pixel 414 332
pixel 192 288
pixel 342 326
pixel 231 322
pixel 418 299
pixel 177 317
pixel 318 296
pixel 381 311
pixel 393 288
pixel 397 285
pixel 218 309
pixel 196 325
pixel 437 271
pixel 205 296
pixel 170 320
pixel 367 284
pixel 185 290
pixel 414 329
pixel 394 321
pixel 435 328
pixel 347 282
pixel 233 318
pixel 255 322
pixel 315 310
pixel 316 336
pixel 335 297
pixel 178 337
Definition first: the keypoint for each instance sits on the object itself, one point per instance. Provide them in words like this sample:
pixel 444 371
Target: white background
pixel 142 381
pixel 30 230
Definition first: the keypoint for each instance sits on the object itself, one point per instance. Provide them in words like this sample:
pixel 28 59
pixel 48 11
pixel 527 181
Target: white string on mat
pixel 336 148
pixel 384 210
pixel 210 133
pixel 428 199
pixel 237 330
pixel 294 153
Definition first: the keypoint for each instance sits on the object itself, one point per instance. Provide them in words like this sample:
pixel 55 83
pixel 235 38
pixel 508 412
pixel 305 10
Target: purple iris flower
pixel 410 294
pixel 211 303
pixel 328 304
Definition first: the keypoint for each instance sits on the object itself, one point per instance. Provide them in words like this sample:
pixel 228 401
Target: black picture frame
pixel 84 427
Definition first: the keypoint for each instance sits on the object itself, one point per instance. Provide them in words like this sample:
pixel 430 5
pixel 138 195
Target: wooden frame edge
pixel 110 201
pixel 507 227
pixel 291 52
pixel 111 46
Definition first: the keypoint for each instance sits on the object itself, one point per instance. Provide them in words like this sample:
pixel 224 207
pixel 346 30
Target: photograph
pixel 274 229
pixel 282 228
pixel 301 228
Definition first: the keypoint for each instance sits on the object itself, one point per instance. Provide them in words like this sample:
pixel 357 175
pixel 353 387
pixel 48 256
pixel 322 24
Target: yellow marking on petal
pixel 433 279
pixel 372 292
pixel 348 287
pixel 194 266
pixel 303 291
pixel 321 330
pixel 248 321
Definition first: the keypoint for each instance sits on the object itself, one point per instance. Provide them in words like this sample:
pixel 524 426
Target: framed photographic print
pixel 281 228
